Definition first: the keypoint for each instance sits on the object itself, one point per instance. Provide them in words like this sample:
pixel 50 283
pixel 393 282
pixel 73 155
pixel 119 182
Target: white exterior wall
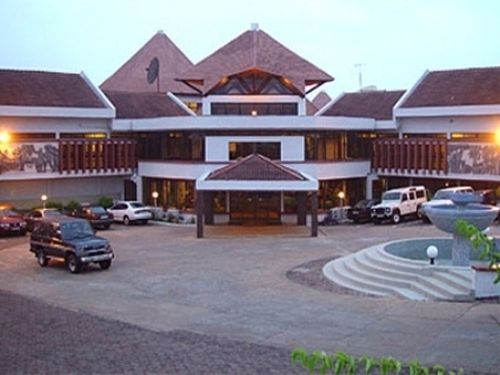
pixel 192 171
pixel 450 124
pixel 54 125
pixel 26 194
pixel 217 148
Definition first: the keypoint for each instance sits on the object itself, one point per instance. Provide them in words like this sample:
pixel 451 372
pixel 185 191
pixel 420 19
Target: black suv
pixel 70 239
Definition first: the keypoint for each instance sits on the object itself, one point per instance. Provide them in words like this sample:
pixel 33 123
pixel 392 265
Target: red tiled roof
pixel 131 76
pixel 321 99
pixel 144 105
pixel 46 89
pixel 476 86
pixel 370 104
pixel 255 167
pixel 254 50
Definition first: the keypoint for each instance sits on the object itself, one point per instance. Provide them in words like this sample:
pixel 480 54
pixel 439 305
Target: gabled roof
pixel 144 105
pixel 131 76
pixel 475 86
pixel 255 167
pixel 254 50
pixel 369 104
pixel 46 89
pixel 321 99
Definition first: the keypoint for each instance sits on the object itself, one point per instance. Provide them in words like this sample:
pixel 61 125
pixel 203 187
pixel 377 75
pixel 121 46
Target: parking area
pixel 233 284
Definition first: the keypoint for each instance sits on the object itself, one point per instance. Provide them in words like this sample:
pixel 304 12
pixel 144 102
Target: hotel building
pixel 236 135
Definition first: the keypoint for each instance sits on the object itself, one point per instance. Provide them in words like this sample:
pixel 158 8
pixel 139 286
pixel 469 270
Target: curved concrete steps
pixel 376 272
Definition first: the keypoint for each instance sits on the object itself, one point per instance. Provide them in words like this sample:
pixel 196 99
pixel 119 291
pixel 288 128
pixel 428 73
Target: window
pixel 249 109
pixel 271 150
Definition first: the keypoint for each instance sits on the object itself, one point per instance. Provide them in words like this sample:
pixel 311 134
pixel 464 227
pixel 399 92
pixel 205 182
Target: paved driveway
pixel 233 284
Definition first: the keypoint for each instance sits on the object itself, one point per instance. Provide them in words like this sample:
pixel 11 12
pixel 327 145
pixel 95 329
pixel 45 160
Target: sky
pixel 394 40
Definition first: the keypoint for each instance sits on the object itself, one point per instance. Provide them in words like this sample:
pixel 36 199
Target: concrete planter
pixel 483 282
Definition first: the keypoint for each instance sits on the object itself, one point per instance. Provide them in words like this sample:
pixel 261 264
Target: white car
pixel 129 211
pixel 441 197
pixel 399 203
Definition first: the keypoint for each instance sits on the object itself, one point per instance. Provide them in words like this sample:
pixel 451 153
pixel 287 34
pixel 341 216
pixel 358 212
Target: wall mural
pixel 32 157
pixel 473 158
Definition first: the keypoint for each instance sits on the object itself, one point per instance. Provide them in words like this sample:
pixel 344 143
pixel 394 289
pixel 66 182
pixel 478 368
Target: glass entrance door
pixel 255 207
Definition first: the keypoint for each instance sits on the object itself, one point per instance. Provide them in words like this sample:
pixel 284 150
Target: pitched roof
pixel 321 99
pixel 475 86
pixel 255 167
pixel 254 50
pixel 46 89
pixel 144 105
pixel 131 76
pixel 370 104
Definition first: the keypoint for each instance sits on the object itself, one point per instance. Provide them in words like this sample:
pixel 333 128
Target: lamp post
pixel 44 199
pixel 432 253
pixel 155 198
pixel 341 196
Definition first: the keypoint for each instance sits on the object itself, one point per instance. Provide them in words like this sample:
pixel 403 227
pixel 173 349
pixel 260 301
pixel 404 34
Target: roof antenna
pixel 359 66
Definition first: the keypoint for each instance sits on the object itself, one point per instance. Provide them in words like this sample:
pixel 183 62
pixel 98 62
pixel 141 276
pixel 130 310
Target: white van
pixel 399 203
pixel 441 197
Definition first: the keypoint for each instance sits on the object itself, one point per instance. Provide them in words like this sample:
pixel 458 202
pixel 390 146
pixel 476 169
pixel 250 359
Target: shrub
pixel 72 206
pixel 105 202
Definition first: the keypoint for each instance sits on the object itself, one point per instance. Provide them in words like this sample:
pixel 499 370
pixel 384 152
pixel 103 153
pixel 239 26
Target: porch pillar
pixel 314 214
pixel 209 208
pixel 301 207
pixel 199 214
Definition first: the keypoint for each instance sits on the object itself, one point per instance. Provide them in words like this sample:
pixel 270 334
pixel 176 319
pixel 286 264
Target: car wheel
pixel 126 220
pixel 41 258
pixel 356 221
pixel 396 217
pixel 73 264
pixel 145 222
pixel 106 227
pixel 420 215
pixel 105 264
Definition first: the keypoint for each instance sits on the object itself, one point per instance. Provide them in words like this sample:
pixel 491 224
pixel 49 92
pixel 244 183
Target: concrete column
pixel 314 214
pixel 209 208
pixel 199 214
pixel 138 188
pixel 301 207
pixel 369 185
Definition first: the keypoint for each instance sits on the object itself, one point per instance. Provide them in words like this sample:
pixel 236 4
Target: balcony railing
pixel 91 156
pixel 410 156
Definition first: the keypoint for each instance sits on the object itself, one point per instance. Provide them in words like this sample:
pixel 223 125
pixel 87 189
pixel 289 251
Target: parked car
pixel 38 214
pixel 70 239
pixel 98 217
pixel 442 196
pixel 335 215
pixel 11 222
pixel 399 203
pixel 488 197
pixel 361 212
pixel 129 211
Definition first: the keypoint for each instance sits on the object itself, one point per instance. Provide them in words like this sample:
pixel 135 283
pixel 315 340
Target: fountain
pixel 466 207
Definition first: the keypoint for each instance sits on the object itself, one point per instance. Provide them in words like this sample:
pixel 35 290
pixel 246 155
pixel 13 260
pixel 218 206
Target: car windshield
pixel 136 205
pixel 8 213
pixel 51 213
pixel 360 204
pixel 443 195
pixel 98 210
pixel 391 196
pixel 76 229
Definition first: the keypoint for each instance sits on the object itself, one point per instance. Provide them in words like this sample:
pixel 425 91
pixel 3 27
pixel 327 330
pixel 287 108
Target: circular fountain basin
pixel 415 249
pixel 444 216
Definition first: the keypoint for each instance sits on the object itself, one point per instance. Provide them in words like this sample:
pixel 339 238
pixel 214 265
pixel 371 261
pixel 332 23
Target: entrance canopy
pixel 256 173
pixel 255 176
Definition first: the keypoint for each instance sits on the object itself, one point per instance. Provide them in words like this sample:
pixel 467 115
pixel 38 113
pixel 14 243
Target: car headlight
pixel 5 225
